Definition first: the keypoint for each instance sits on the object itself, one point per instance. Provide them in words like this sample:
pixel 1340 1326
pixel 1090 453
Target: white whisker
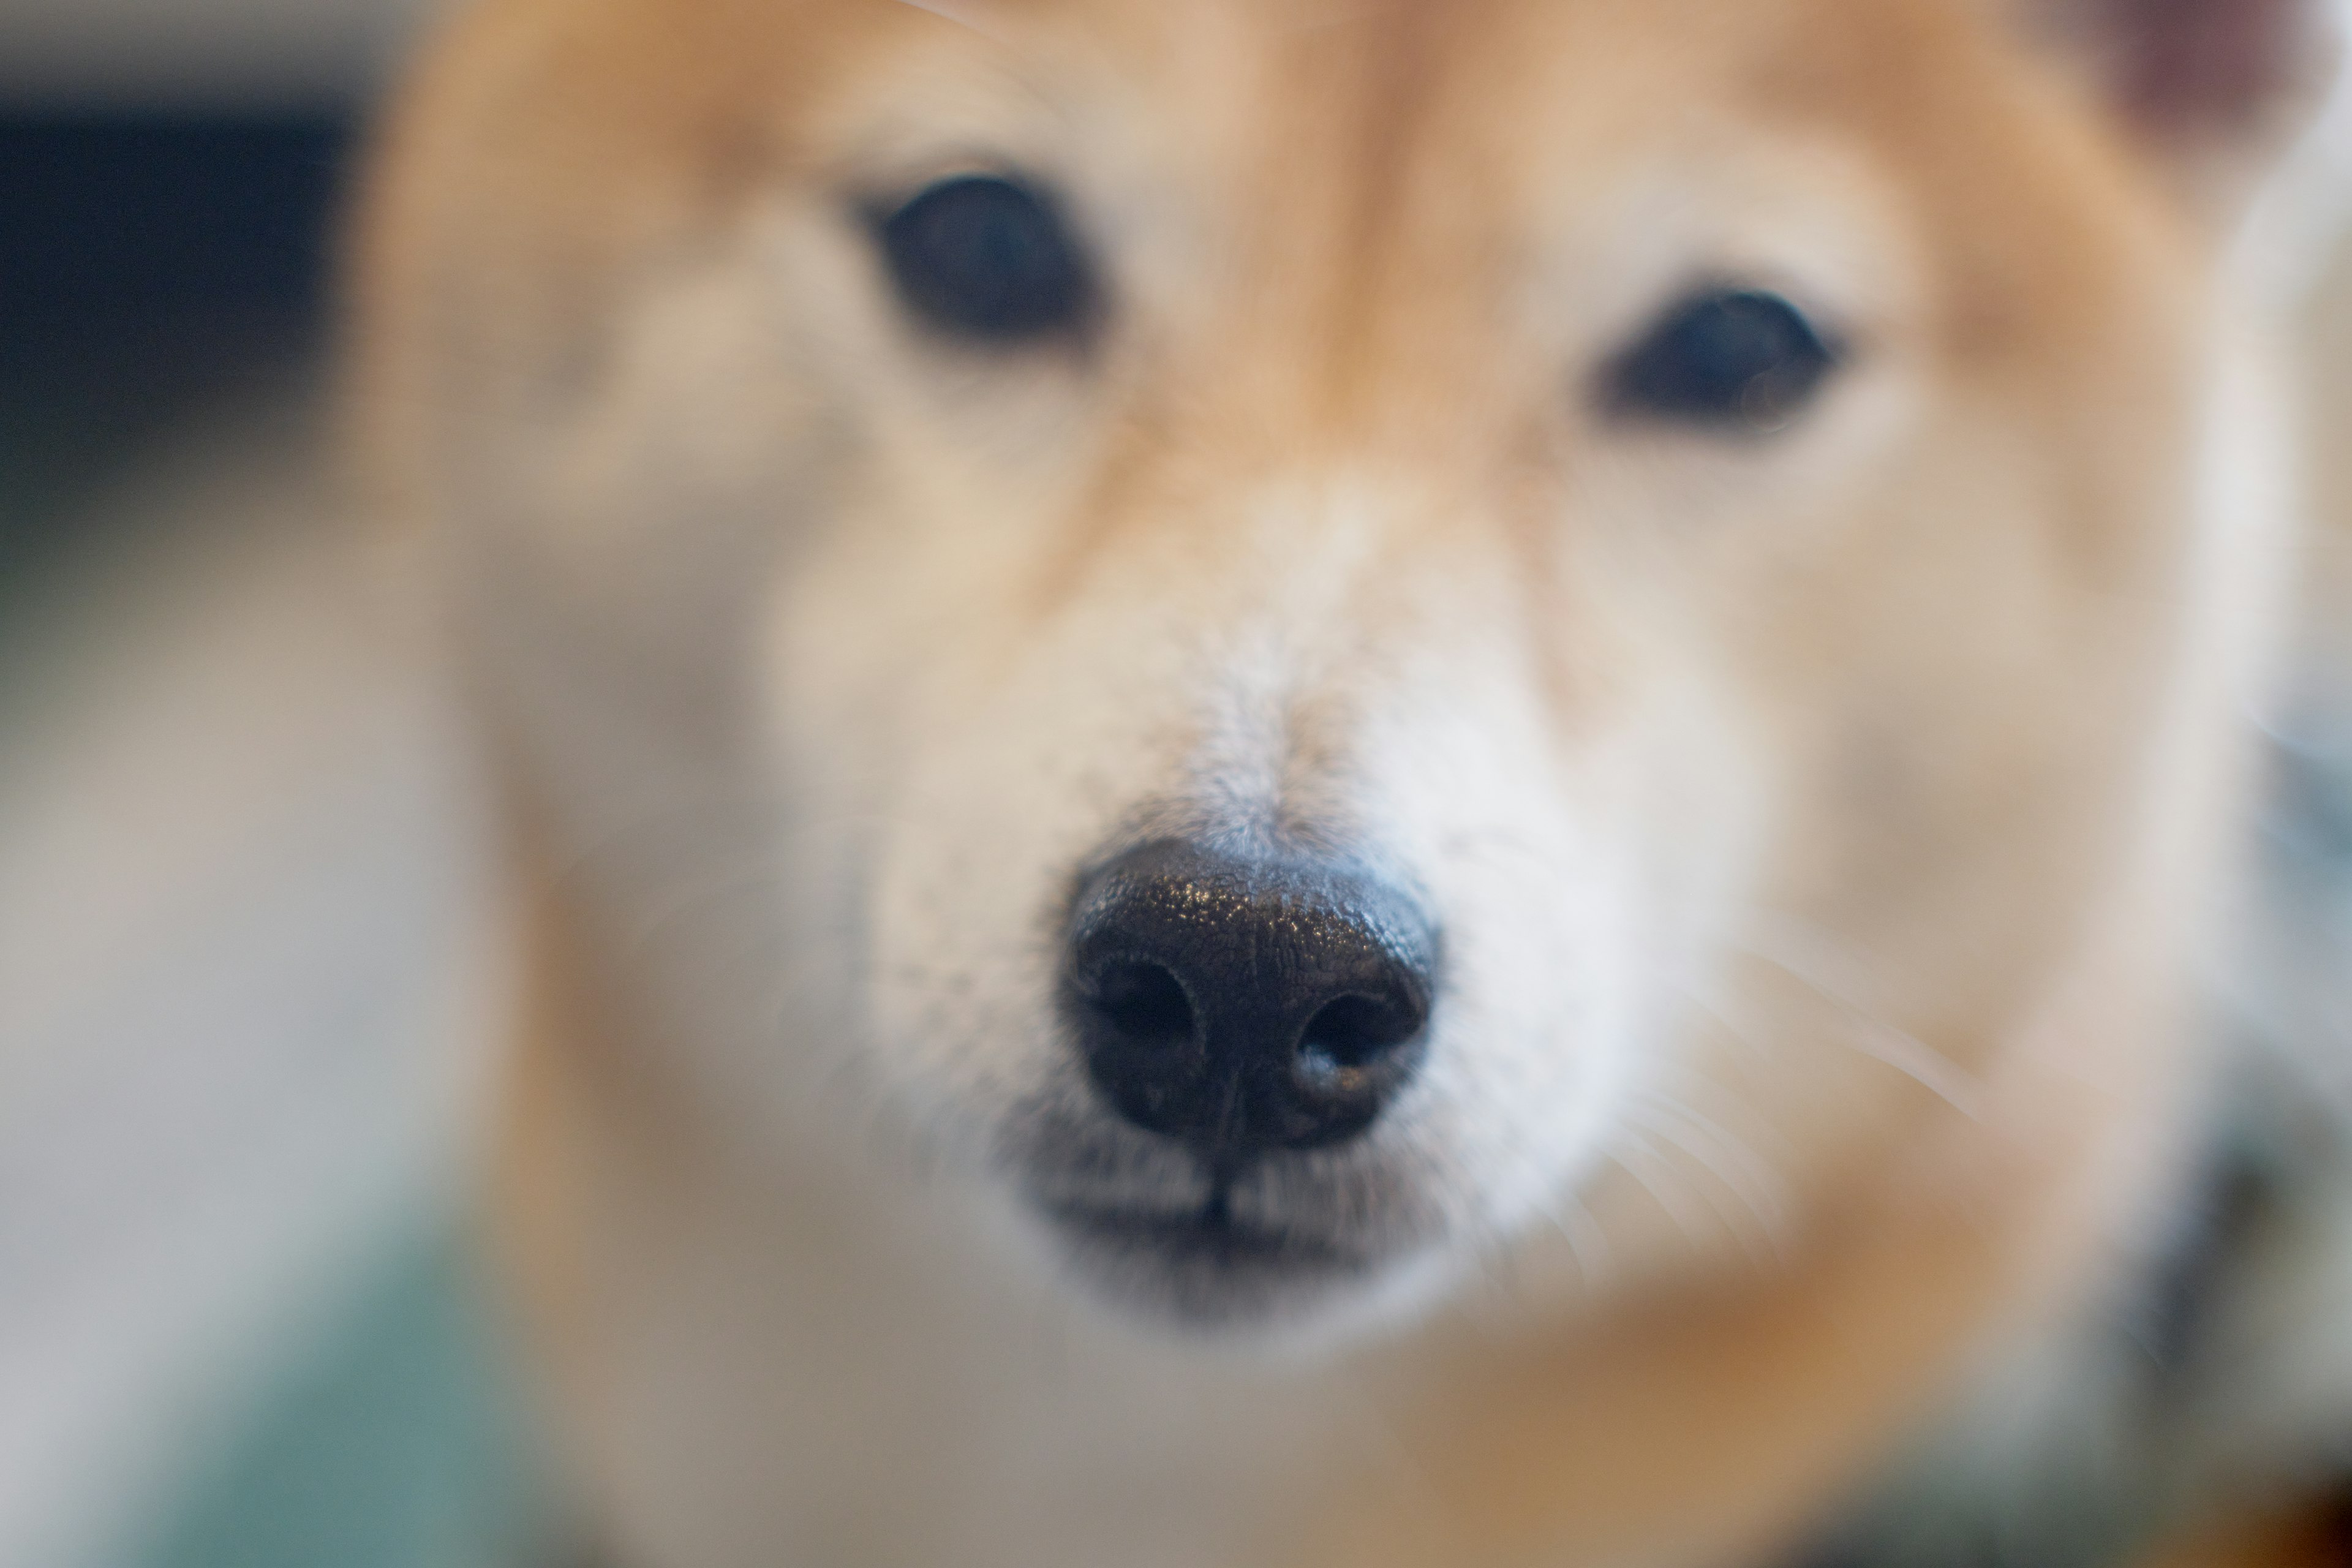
pixel 1802 951
pixel 1636 1152
pixel 1747 1173
pixel 961 15
pixel 1758 1218
pixel 1588 1243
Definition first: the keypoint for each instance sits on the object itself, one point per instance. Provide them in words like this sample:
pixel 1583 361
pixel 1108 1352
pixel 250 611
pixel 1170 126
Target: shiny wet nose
pixel 1245 1006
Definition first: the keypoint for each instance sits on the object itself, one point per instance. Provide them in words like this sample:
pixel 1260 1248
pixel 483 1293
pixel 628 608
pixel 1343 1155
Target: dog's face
pixel 1347 620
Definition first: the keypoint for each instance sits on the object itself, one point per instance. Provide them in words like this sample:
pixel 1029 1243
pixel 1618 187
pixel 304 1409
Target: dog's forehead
pixel 1363 89
pixel 1347 152
pixel 1492 124
pixel 1293 103
pixel 1354 90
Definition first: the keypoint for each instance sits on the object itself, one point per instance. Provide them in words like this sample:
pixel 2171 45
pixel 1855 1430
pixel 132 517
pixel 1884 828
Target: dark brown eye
pixel 1735 360
pixel 987 258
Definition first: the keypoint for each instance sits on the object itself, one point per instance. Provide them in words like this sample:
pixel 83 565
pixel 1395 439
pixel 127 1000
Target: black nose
pixel 1245 1005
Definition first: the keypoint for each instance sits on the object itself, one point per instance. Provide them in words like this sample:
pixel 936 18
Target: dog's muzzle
pixel 1242 1022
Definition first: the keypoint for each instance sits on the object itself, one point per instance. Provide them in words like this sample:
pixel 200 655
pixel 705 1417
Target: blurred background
pixel 245 967
pixel 248 959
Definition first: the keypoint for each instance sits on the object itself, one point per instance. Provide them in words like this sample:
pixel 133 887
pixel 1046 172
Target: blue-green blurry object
pixel 392 1442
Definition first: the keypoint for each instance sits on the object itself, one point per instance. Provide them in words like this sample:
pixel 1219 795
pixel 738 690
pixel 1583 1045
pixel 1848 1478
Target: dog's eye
pixel 1737 360
pixel 986 259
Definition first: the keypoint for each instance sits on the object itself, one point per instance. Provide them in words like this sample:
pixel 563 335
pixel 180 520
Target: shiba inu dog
pixel 1364 783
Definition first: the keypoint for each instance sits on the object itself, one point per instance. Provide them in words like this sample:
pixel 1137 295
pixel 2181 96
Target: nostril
pixel 1350 1032
pixel 1144 1003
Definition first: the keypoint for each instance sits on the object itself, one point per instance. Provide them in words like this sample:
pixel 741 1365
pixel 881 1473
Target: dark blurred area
pixel 149 263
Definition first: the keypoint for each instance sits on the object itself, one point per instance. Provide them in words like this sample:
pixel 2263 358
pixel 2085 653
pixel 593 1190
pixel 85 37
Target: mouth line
pixel 1210 1234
